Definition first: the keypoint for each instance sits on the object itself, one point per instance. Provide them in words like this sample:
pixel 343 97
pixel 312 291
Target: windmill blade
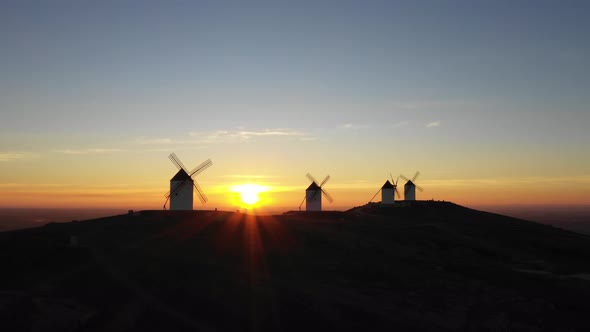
pixel 403 177
pixel 200 192
pixel 301 202
pixel 167 194
pixel 391 176
pixel 174 159
pixel 418 187
pixel 397 193
pixel 311 178
pixel 175 189
pixel 375 195
pixel 325 180
pixel 415 176
pixel 203 166
pixel 328 197
pixel 396 181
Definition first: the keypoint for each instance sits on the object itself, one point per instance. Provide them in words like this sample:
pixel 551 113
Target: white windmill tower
pixel 388 192
pixel 183 184
pixel 410 187
pixel 313 194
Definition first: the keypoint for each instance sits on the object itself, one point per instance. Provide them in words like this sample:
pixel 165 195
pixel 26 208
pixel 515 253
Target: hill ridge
pixel 423 266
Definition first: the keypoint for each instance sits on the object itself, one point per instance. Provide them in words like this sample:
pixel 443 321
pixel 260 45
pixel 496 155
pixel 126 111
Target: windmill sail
pixel 183 184
pixel 315 189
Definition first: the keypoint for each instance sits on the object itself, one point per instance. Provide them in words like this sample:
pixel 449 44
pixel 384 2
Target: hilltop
pixel 418 266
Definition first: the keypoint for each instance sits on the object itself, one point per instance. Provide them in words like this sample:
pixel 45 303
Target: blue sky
pixel 425 82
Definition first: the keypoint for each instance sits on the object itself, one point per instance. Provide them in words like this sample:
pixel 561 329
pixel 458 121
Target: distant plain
pixel 571 217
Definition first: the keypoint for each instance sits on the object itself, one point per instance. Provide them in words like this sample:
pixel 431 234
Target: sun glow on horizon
pixel 249 192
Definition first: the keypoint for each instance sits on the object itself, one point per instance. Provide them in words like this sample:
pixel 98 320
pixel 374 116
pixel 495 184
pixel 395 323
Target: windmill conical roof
pixel 387 185
pixel 409 183
pixel 313 186
pixel 181 176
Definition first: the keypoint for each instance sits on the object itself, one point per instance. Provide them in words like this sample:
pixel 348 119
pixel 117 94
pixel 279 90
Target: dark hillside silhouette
pixel 418 266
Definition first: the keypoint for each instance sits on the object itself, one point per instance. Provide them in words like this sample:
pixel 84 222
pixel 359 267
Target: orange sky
pixel 140 192
pixel 133 177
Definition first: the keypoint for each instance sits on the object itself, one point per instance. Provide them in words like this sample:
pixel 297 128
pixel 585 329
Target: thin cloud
pixel 201 139
pixel 509 182
pixel 88 151
pixel 353 126
pixel 435 104
pixel 272 187
pixel 67 185
pixel 37 185
pixel 10 156
pixel 270 133
pixel 78 189
pixel 155 141
pixel 433 124
pixel 247 176
pixel 160 144
pixel 244 135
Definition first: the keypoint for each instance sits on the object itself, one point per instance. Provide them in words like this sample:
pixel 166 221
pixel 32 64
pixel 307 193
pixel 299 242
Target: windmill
pixel 410 187
pixel 313 198
pixel 183 184
pixel 388 192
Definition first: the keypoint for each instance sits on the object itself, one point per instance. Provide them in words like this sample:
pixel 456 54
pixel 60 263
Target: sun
pixel 249 197
pixel 249 192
